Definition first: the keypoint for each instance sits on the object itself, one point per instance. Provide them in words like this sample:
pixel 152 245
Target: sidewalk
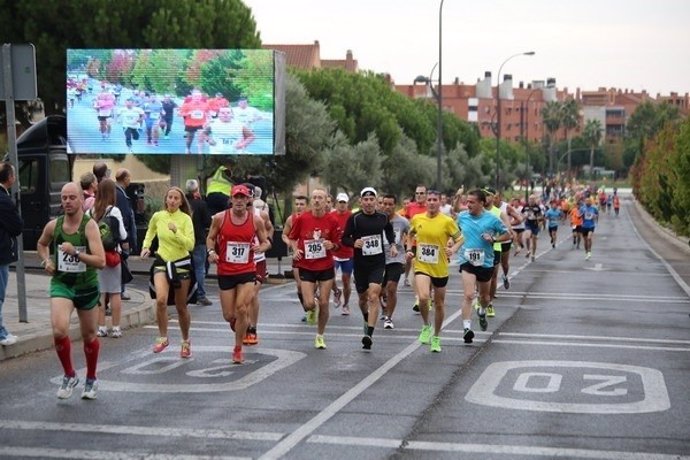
pixel 36 334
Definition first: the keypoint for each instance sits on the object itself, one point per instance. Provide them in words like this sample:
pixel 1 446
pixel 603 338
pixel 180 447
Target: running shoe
pixel 90 387
pixel 345 310
pixel 425 334
pixel 311 317
pixel 366 342
pixel 529 253
pixel 553 245
pixel 337 297
pixel 483 323
pixel 532 257
pixel 468 335
pixel 319 343
pixel 68 384
pixel 102 331
pixel 116 332
pixel 388 324
pixel 250 338
pixel 406 282
pixel 161 344
pixel 304 318
pixel 490 312
pixel 588 256
pixel 506 282
pixel 415 308
pixel 186 349
pixel 237 356
pixel 435 346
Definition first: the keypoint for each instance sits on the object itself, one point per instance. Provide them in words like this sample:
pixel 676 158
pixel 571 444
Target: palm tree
pixel 592 135
pixel 551 115
pixel 570 119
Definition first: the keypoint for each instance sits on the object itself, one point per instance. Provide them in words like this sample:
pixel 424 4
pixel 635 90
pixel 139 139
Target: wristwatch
pixel 76 253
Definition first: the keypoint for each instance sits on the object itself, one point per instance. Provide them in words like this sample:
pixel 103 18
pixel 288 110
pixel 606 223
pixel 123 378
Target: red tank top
pixel 234 244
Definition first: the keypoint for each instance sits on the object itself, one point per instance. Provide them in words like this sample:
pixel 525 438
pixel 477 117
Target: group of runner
pixel 212 121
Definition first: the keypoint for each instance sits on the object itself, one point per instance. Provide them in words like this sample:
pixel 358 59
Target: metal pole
pixel 12 145
pixel 439 141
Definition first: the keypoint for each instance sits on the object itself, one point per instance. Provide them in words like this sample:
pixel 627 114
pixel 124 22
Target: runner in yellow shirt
pixel 432 230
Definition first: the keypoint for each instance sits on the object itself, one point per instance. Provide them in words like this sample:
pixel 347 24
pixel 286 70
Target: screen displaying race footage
pixel 170 101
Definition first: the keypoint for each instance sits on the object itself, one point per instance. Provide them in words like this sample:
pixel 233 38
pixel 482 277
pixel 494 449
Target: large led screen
pixel 171 101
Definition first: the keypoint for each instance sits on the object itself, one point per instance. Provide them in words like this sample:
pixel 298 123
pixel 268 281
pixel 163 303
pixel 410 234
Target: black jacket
pixel 125 206
pixel 11 226
pixel 201 219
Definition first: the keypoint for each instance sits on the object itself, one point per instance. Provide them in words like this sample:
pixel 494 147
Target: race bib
pixel 197 114
pixel 474 257
pixel 237 253
pixel 372 245
pixel 314 249
pixel 67 263
pixel 589 215
pixel 226 140
pixel 428 253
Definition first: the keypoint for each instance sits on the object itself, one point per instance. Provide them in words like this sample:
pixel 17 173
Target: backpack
pixel 109 228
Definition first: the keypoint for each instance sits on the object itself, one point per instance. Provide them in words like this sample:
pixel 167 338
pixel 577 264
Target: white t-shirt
pixel 226 136
pixel 247 115
pixel 131 117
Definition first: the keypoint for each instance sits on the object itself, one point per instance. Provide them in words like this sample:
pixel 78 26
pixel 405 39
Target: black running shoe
pixel 468 335
pixel 366 342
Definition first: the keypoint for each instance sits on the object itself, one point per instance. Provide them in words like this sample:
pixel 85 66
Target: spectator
pixel 10 227
pixel 201 220
pixel 218 189
pixel 89 184
pixel 123 179
pixel 101 171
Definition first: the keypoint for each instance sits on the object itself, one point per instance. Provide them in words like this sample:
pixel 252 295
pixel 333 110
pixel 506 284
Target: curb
pixel 134 317
pixel 682 242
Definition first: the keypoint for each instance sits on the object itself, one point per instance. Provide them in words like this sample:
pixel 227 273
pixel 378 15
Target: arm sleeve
pixel 390 234
pixel 348 238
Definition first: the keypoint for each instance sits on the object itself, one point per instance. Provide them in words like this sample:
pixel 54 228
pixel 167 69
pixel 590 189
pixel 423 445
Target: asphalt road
pixel 585 359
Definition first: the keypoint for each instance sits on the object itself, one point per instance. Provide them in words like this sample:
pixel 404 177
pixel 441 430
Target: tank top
pixel 234 246
pixel 69 270
pixel 258 256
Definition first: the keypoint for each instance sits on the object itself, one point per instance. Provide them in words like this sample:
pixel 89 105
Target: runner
pixel 131 118
pixel 480 230
pixel 226 135
pixel 251 337
pixel 172 266
pixel 104 104
pixel 313 237
pixel 195 114
pixel 576 223
pixel 432 230
pixel 395 266
pixel 343 257
pixel 152 114
pixel 168 113
pixel 616 203
pixel 301 205
pixel 534 217
pixel 553 216
pixel 231 244
pixel 363 231
pixel 70 250
pixel 411 209
pixel 590 215
pixel 509 216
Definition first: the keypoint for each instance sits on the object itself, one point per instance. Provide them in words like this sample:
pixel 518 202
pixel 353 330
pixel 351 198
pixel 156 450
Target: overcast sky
pixel 635 44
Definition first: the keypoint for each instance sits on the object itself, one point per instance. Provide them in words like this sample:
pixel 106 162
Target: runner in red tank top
pixel 313 237
pixel 231 245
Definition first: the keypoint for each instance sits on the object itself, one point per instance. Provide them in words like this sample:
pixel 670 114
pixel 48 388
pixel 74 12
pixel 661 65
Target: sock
pixel 63 347
pixel 91 353
pixel 370 331
pixel 467 323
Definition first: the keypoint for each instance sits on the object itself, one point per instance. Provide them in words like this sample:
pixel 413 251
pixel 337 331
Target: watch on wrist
pixel 76 253
pixel 210 251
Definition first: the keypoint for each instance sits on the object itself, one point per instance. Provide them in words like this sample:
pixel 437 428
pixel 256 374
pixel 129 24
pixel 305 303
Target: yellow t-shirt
pixel 432 234
pixel 171 246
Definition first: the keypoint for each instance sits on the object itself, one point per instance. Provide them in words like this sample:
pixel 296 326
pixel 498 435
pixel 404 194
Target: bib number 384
pixel 428 253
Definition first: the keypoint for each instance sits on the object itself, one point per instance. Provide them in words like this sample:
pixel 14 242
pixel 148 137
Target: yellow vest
pixel 218 182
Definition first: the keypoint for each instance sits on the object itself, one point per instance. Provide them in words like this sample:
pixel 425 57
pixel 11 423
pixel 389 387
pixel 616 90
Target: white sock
pixel 467 323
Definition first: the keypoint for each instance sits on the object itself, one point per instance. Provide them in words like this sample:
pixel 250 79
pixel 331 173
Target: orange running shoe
pixel 161 344
pixel 237 356
pixel 186 350
pixel 250 338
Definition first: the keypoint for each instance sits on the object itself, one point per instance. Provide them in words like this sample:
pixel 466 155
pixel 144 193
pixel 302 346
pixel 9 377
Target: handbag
pixel 112 258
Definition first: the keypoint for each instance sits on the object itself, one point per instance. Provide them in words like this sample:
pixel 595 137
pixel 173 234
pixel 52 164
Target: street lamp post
pixel 439 128
pixel 498 112
pixel 525 139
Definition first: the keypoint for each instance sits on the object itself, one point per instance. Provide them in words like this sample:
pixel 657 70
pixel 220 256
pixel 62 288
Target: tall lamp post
pixel 438 95
pixel 498 111
pixel 525 139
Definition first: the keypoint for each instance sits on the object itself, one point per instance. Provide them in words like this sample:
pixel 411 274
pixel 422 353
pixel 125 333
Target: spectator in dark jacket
pixel 10 227
pixel 201 219
pixel 122 181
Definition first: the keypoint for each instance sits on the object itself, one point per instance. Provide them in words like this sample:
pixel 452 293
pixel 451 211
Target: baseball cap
pixel 368 191
pixel 342 197
pixel 240 190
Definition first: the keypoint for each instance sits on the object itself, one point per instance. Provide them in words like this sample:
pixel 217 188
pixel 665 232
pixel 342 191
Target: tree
pixel 405 168
pixel 551 115
pixel 644 124
pixel 592 135
pixel 351 168
pixel 570 119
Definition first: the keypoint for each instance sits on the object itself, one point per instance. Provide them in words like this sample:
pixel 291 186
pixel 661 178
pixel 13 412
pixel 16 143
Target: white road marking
pixel 297 436
pixel 591 337
pixel 45 452
pixel 581 296
pixel 587 345
pixel 140 430
pixel 511 450
pixel 483 391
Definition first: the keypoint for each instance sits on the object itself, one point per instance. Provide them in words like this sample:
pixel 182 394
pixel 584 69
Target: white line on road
pixel 591 337
pixel 140 430
pixel 552 452
pixel 44 452
pixel 588 345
